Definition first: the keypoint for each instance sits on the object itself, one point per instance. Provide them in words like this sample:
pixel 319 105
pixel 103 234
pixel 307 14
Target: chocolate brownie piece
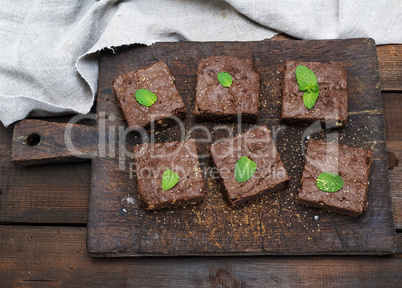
pixel 352 164
pixel 151 162
pixel 157 79
pixel 332 102
pixel 258 145
pixel 214 101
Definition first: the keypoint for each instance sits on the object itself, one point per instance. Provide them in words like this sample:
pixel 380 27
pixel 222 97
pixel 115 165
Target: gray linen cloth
pixel 49 49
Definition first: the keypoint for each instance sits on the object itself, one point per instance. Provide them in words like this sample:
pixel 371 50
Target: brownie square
pixel 214 101
pixel 332 102
pixel 157 79
pixel 151 162
pixel 352 164
pixel 258 145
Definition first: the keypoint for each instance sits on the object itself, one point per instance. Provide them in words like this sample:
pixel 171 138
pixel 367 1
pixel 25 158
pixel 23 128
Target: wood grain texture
pixel 56 256
pixel 393 124
pixel 390 65
pixel 53 193
pixel 271 225
pixel 40 142
pixel 27 197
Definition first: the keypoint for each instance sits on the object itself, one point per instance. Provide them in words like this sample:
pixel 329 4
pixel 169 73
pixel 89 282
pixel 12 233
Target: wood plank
pixel 53 193
pixel 393 132
pixel 26 196
pixel 390 66
pixel 40 142
pixel 56 256
pixel 118 226
pixel 17 204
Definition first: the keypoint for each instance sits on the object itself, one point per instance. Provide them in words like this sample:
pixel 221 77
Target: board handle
pixel 39 142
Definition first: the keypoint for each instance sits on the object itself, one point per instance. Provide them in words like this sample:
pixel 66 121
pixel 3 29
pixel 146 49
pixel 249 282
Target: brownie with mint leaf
pixel 149 95
pixel 335 177
pixel 227 88
pixel 314 91
pixel 168 174
pixel 249 165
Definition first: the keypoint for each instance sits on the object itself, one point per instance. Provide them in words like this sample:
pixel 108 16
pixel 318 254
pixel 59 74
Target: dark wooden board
pixel 58 193
pixel 26 198
pixel 38 142
pixel 393 133
pixel 390 63
pixel 53 193
pixel 117 226
pixel 56 257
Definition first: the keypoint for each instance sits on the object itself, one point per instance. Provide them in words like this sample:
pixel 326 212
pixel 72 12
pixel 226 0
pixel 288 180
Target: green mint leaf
pixel 309 98
pixel 314 88
pixel 308 84
pixel 304 87
pixel 169 180
pixel 145 97
pixel 305 76
pixel 329 182
pixel 244 169
pixel 225 79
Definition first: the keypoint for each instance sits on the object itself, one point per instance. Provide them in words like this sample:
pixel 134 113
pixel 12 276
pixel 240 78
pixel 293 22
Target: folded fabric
pixel 328 19
pixel 49 49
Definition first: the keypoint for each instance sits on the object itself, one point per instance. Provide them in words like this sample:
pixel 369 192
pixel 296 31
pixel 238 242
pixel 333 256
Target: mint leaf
pixel 244 169
pixel 169 180
pixel 303 87
pixel 315 88
pixel 305 76
pixel 308 84
pixel 145 97
pixel 225 79
pixel 329 182
pixel 309 98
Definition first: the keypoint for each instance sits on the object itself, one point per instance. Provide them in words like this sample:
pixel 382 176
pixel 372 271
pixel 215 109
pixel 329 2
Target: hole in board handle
pixel 33 139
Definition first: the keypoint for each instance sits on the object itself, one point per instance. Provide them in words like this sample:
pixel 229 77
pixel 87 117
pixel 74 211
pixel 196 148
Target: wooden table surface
pixel 43 217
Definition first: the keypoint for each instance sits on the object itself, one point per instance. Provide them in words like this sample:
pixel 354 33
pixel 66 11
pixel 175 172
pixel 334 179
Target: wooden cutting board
pixel 275 224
